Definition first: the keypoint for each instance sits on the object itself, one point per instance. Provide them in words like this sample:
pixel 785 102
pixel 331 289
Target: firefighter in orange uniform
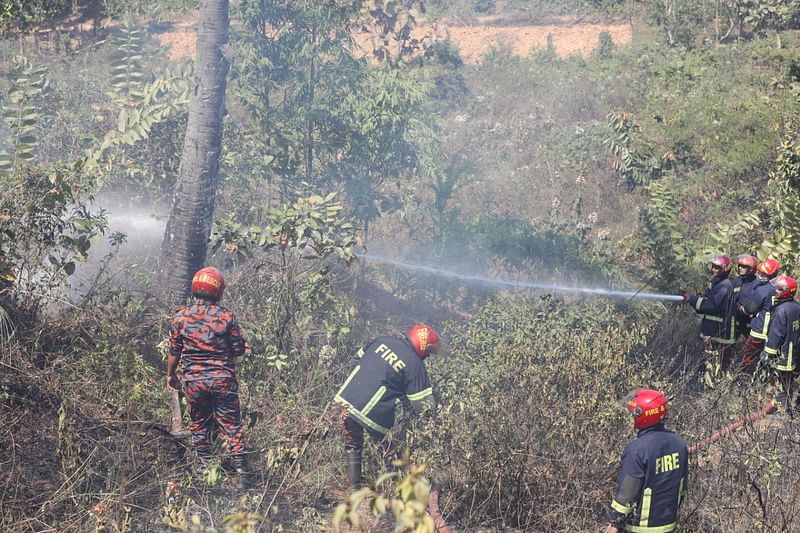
pixel 205 338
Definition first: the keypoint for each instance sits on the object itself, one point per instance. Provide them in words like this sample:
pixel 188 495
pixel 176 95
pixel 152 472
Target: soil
pixel 567 39
pixel 473 41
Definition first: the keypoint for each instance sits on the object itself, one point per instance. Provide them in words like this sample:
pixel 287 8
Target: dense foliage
pixel 348 128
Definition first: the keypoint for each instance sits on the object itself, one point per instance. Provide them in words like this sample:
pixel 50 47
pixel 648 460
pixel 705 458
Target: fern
pixel 21 113
pixel 157 101
pixel 738 236
pixel 660 219
pixel 783 203
pixel 663 238
pixel 126 65
pixel 636 165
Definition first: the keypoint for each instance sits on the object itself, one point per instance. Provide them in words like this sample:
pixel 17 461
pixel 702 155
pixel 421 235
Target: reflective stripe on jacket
pixel 783 338
pixel 386 370
pixel 715 306
pixel 759 306
pixel 652 482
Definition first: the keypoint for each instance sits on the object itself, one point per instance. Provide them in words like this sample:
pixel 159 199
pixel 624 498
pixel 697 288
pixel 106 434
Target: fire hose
pixel 433 509
pixel 441 525
pixel 749 419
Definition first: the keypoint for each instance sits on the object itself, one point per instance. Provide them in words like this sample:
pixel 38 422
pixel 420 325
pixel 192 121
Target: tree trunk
pixel 183 250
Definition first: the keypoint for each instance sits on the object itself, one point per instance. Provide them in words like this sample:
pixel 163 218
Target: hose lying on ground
pixel 433 508
pixel 752 417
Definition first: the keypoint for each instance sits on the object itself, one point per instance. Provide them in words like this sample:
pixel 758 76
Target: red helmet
pixel 721 263
pixel 424 339
pixel 209 283
pixel 769 268
pixel 747 261
pixel 648 407
pixel 785 287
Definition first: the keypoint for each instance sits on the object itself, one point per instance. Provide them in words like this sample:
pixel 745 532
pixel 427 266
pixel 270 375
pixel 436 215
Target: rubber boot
pixel 354 471
pixel 245 481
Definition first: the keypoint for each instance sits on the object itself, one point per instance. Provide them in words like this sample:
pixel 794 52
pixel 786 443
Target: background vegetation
pixel 624 169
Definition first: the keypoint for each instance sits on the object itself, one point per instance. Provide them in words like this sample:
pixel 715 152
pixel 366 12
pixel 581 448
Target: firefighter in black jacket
pixel 758 305
pixel 654 471
pixel 384 371
pixel 743 286
pixel 715 306
pixel 783 339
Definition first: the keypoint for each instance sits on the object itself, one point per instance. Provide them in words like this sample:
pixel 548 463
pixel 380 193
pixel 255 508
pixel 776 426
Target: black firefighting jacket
pixel 743 288
pixel 652 482
pixel 715 306
pixel 783 339
pixel 384 371
pixel 759 306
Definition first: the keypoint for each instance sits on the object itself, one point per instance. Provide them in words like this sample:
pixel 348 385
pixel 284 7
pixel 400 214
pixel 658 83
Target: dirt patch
pixel 181 43
pixel 473 41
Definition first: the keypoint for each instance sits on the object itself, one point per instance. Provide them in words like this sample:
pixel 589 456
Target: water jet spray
pixel 497 282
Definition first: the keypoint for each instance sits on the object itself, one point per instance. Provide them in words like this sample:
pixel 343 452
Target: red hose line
pixel 433 508
pixel 752 417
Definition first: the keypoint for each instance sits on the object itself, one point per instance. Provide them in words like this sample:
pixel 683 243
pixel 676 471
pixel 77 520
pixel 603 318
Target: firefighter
pixel 205 337
pixel 384 372
pixel 783 338
pixel 654 470
pixel 715 305
pixel 758 307
pixel 743 286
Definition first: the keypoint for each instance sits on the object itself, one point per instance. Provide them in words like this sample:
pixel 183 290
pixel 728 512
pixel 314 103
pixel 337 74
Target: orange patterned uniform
pixel 207 338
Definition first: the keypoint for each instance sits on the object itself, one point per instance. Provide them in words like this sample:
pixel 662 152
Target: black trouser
pixel 354 446
pixel 354 436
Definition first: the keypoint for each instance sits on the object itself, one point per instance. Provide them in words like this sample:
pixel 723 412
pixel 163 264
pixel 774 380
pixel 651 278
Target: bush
pixel 527 389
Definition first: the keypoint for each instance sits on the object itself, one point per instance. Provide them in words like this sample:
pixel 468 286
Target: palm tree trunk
pixel 183 250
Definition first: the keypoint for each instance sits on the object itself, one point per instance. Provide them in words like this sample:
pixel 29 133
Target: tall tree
pixel 183 250
pixel 324 114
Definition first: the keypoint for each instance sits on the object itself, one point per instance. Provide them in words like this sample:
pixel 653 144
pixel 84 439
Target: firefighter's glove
pixel 685 297
pixel 764 357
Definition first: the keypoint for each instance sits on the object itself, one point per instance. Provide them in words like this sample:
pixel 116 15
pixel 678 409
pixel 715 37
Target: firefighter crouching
pixel 654 470
pixel 205 338
pixel 759 307
pixel 783 339
pixel 715 306
pixel 384 371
